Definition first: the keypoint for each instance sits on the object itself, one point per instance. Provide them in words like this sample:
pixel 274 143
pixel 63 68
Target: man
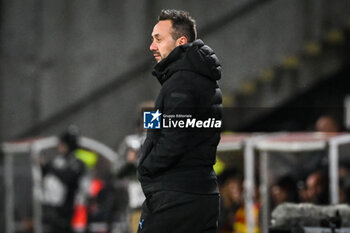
pixel 327 124
pixel 176 164
pixel 284 190
pixel 60 184
pixel 316 188
pixel 231 191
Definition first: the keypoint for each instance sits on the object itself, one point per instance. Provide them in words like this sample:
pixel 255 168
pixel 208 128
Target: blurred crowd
pixel 314 188
pixel 309 186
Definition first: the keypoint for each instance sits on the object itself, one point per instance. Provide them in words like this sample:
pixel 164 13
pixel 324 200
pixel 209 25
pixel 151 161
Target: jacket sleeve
pixel 179 98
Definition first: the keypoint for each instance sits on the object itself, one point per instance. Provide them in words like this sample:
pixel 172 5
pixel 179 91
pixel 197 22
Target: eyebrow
pixel 155 36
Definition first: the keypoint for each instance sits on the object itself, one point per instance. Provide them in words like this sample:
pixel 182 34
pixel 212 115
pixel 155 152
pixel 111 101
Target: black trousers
pixel 177 212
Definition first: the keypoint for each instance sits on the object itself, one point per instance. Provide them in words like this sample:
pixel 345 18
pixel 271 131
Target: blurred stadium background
pixel 285 64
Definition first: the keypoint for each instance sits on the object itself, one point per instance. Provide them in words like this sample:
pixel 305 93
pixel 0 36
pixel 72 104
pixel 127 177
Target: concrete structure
pixel 87 62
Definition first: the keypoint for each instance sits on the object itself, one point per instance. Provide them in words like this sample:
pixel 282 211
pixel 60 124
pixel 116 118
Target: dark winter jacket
pixel 181 159
pixel 61 178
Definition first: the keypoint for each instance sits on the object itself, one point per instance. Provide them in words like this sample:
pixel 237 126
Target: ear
pixel 181 41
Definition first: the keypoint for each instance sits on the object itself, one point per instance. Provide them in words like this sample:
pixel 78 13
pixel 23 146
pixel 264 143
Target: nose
pixel 153 47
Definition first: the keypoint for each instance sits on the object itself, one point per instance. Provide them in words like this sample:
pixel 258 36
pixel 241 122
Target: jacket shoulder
pixel 183 79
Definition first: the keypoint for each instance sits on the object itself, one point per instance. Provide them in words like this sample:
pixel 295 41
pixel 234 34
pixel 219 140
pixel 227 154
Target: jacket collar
pixel 161 69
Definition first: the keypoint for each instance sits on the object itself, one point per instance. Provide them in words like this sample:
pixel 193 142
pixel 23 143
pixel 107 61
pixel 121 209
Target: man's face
pixel 236 190
pixel 314 187
pixel 279 195
pixel 162 41
pixel 63 148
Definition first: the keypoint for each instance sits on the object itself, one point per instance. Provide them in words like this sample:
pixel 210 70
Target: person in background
pixel 317 188
pixel 129 149
pixel 240 224
pixel 107 205
pixel 231 192
pixel 126 166
pixel 327 124
pixel 284 190
pixel 61 178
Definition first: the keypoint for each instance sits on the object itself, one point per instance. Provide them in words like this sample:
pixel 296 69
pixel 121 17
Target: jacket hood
pixel 196 57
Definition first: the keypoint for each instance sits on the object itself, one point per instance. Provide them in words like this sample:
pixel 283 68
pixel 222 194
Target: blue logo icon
pixel 141 223
pixel 151 120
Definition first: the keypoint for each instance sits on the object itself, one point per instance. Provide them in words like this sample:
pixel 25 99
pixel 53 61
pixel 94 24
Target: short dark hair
pixel 183 24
